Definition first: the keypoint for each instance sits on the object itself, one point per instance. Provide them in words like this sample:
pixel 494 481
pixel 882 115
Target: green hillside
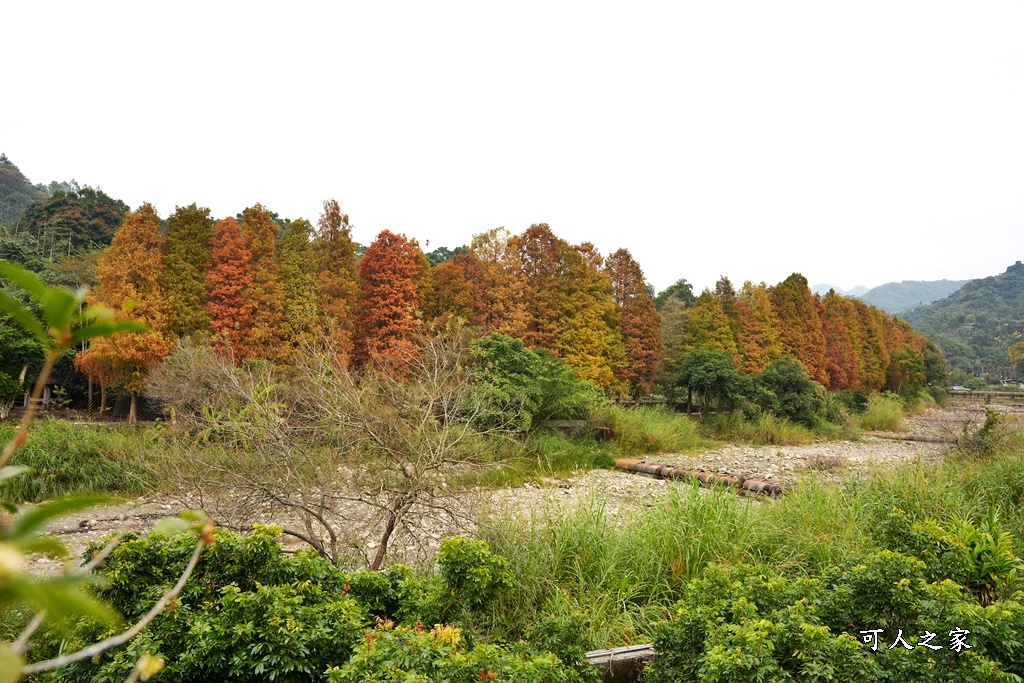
pixel 976 324
pixel 898 297
pixel 16 192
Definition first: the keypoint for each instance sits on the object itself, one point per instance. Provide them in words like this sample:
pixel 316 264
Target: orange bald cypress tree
pixel 129 274
pixel 639 322
pixel 501 286
pixel 457 290
pixel 874 358
pixel 388 270
pixel 338 282
pixel 265 294
pixel 758 334
pixel 800 325
pixel 227 282
pixel 542 259
pixel 842 340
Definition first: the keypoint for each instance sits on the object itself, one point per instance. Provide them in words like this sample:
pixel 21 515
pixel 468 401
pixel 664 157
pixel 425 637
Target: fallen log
pixel 705 477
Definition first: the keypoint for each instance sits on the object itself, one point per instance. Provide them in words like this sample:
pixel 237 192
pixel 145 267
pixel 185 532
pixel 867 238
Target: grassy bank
pixel 68 459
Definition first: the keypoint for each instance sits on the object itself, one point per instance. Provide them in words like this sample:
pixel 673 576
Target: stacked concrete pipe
pixel 705 477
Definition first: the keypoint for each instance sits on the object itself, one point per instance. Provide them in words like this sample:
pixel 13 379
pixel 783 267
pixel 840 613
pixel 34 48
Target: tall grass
pixel 625 570
pixel 764 430
pixel 645 430
pixel 884 413
pixel 68 459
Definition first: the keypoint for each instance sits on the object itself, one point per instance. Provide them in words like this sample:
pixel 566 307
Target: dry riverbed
pixel 785 464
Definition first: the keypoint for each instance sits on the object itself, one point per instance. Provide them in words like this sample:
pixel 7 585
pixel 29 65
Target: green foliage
pixel 414 655
pixel 527 385
pixel 681 290
pixel 798 397
pixel 754 623
pixel 711 374
pixel 984 440
pixel 897 297
pixel 976 324
pixel 884 413
pixel 976 384
pixel 471 572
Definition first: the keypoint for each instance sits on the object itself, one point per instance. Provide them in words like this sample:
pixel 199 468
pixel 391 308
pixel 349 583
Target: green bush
pixel 68 459
pixel 527 386
pixel 884 413
pixel 416 655
pixel 797 396
pixel 754 623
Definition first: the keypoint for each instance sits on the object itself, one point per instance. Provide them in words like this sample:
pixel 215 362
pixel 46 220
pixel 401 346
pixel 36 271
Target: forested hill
pixel 16 192
pixel 976 324
pixel 898 297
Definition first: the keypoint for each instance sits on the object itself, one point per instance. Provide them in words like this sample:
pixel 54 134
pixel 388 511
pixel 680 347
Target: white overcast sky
pixel 857 142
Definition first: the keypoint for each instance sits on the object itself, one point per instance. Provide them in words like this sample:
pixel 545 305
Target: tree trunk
pixel 103 399
pixel 132 418
pixel 382 549
pixel 689 400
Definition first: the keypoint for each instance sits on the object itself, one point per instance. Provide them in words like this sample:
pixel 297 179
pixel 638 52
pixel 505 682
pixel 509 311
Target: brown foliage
pixel 227 282
pixel 639 322
pixel 388 269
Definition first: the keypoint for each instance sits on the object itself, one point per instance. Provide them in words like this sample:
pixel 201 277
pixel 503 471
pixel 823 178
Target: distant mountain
pixel 976 324
pixel 898 297
pixel 822 289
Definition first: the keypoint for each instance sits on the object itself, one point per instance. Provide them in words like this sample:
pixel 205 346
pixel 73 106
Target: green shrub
pixel 416 655
pixel 884 413
pixel 68 459
pixel 797 396
pixel 754 623
pixel 527 386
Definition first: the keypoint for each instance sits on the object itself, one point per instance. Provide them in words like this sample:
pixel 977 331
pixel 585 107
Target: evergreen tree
pixel 639 322
pixel 335 257
pixel 186 258
pixel 265 295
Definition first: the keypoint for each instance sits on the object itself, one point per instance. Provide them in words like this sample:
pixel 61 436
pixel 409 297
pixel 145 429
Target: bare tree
pixel 346 459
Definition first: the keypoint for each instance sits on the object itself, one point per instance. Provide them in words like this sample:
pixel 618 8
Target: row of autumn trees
pixel 259 288
pixel 842 343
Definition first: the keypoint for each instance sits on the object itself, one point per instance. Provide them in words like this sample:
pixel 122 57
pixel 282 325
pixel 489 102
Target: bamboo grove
pixel 258 288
